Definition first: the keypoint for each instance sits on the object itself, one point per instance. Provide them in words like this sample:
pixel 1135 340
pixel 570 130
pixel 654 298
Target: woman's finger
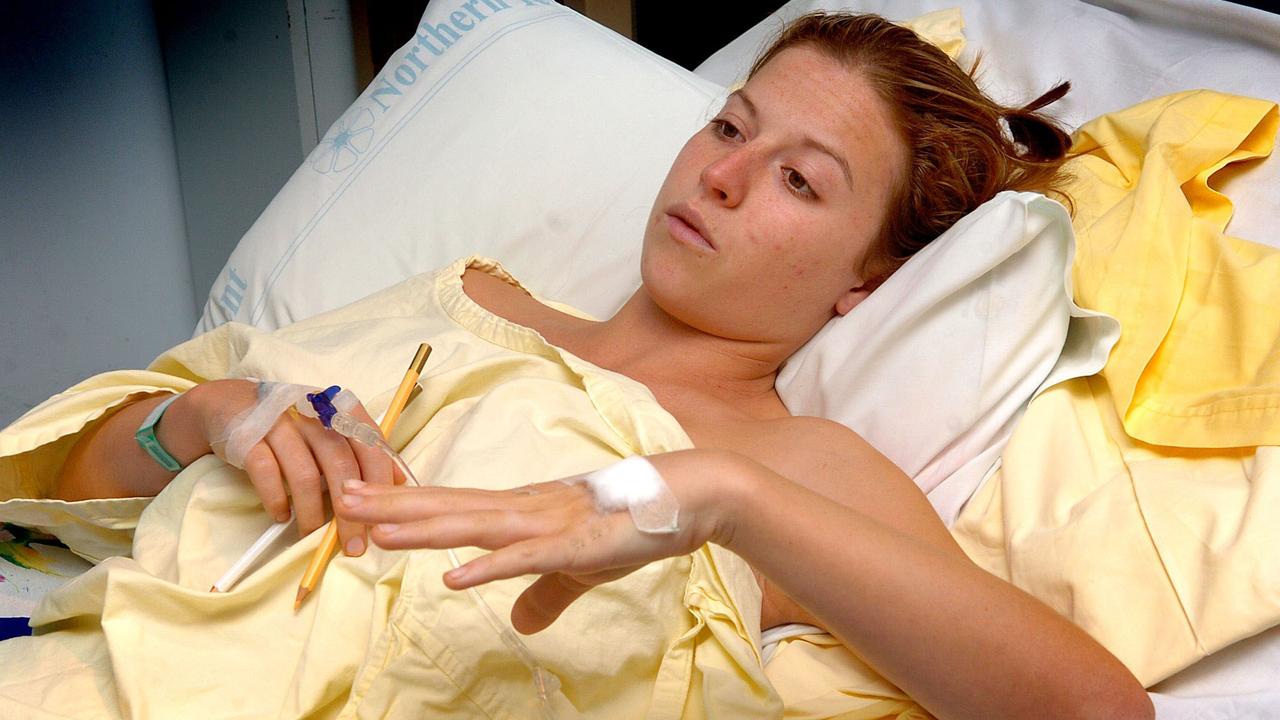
pixel 544 601
pixel 581 552
pixel 536 556
pixel 301 474
pixel 337 462
pixel 488 529
pixel 398 504
pixel 375 467
pixel 264 473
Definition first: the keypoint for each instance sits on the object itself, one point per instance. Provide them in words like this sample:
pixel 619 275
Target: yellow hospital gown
pixel 140 636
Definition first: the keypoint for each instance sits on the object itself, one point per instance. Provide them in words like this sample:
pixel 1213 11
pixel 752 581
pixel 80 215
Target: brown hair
pixel 963 147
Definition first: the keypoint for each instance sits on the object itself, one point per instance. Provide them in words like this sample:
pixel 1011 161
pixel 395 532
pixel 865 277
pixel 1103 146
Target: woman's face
pixel 765 215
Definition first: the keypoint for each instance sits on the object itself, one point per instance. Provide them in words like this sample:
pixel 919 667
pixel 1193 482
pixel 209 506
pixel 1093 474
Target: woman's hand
pixel 552 529
pixel 293 463
pixel 296 461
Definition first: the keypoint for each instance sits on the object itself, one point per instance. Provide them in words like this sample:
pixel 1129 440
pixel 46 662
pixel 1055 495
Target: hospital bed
pixel 521 131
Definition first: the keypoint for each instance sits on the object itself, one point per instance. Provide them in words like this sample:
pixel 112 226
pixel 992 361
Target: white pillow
pixel 540 139
pixel 936 365
pixel 537 137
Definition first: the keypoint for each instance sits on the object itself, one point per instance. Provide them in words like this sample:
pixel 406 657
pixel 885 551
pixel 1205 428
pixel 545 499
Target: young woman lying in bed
pixel 850 147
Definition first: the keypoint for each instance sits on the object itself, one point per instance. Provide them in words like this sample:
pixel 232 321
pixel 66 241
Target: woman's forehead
pixel 816 96
pixel 805 81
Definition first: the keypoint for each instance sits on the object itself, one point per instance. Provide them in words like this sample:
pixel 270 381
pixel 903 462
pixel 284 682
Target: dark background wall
pixel 683 31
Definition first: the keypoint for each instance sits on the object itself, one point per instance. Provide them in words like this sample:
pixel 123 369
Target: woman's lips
pixel 687 234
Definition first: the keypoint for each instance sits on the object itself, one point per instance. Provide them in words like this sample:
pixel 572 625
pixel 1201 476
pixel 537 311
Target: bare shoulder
pixel 506 300
pixel 808 446
pixel 491 293
pixel 813 433
pixel 837 462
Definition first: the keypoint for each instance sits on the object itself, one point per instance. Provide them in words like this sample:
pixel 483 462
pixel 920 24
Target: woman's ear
pixel 852 297
pixel 850 300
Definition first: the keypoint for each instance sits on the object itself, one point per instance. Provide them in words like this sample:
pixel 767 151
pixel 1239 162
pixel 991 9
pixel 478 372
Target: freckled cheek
pixel 779 243
pixel 784 250
pixel 778 253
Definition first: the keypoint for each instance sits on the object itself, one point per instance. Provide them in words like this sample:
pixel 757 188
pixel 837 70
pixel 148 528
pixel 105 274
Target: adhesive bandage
pixel 634 484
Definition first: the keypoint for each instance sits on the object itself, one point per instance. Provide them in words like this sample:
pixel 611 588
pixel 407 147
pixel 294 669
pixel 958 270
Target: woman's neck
pixel 681 364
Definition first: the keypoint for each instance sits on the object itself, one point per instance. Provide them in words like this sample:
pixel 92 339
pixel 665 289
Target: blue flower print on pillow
pixel 349 137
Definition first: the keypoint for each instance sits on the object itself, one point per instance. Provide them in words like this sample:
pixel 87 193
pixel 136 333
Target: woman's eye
pixel 726 129
pixel 797 183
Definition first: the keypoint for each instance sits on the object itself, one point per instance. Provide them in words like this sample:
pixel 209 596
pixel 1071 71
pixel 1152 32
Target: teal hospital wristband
pixel 146 437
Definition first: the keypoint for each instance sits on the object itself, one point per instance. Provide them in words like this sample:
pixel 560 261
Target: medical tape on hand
pixel 248 428
pixel 635 485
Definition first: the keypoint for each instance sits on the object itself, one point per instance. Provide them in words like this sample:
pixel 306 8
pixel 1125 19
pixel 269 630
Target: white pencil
pixel 233 575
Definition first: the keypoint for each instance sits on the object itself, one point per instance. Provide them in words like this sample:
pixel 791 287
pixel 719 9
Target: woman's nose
pixel 725 178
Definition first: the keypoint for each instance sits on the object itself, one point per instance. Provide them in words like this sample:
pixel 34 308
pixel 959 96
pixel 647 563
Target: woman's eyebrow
pixel 742 95
pixel 820 147
pixel 807 141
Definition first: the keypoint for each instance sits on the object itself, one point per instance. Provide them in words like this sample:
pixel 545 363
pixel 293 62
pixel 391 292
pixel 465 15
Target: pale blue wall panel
pixel 94 269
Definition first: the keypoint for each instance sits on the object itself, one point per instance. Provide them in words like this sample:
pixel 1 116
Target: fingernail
pixel 282 516
pixel 350 500
pixel 355 546
pixel 456 574
pixel 352 484
pixel 388 528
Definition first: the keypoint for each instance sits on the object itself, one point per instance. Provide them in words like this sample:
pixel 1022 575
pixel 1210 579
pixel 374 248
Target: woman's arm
pixel 900 594
pixel 292 466
pixel 108 462
pixel 958 640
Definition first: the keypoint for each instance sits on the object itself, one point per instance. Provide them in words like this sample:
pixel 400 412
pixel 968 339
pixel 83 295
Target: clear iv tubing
pixel 543 681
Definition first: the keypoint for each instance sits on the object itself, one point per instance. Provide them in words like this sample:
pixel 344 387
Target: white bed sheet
pixel 1242 681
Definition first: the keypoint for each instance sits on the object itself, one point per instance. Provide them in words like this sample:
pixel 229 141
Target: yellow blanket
pixel 1198 362
pixel 142 637
pixel 1112 505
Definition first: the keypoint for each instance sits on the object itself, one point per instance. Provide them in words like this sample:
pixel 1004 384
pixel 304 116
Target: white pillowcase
pixel 537 137
pixel 936 365
pixel 540 139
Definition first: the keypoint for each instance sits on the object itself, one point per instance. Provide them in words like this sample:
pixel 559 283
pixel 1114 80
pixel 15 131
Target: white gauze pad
pixel 634 484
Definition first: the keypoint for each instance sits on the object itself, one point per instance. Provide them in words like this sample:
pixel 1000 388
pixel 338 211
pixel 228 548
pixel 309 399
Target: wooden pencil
pixel 329 544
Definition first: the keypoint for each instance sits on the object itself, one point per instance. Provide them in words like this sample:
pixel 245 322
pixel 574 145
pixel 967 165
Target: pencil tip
pixel 214 589
pixel 302 595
